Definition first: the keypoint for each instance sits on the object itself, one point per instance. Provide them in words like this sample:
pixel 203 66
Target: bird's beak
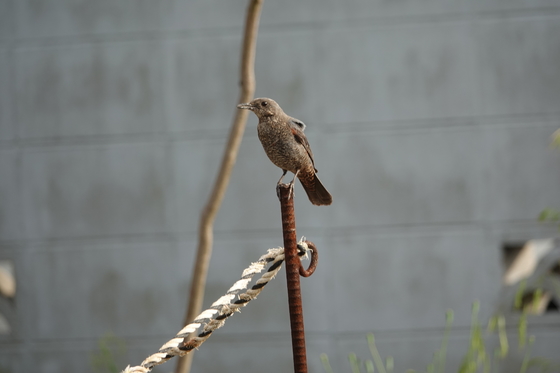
pixel 247 106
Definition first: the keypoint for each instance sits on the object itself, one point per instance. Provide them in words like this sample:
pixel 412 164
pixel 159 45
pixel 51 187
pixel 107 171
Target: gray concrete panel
pixel 83 292
pixel 13 309
pixel 470 184
pixel 405 281
pixel 11 361
pixel 80 356
pixel 7 124
pixel 196 15
pixel 522 162
pixel 70 358
pixel 415 350
pixel 411 351
pixel 61 18
pixel 210 64
pixel 193 182
pixel 250 201
pixel 519 231
pixel 10 196
pixel 250 351
pixel 430 124
pixel 517 74
pixel 95 190
pixel 6 22
pixel 212 14
pixel 56 18
pixel 429 76
pixel 351 165
pixel 91 89
pixel 545 348
pixel 293 11
pixel 402 177
pixel 505 5
pixel 365 77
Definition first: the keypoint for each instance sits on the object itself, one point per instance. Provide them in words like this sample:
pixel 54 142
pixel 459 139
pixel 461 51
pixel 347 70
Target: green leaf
pixel 518 301
pixel 549 214
pixel 375 353
pixel 326 365
pixel 526 360
pixel 354 364
pixel 504 344
pixel 522 329
pixel 556 139
pixel 109 349
pixel 390 363
pixel 369 366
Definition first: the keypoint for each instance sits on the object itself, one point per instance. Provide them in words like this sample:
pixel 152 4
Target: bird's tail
pixel 316 192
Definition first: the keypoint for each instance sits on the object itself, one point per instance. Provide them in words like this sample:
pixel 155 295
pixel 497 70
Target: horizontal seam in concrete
pixel 62 343
pixel 69 243
pixel 397 126
pixel 235 31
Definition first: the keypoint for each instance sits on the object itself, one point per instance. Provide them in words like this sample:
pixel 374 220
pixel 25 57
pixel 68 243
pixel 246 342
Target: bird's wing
pixel 298 123
pixel 297 130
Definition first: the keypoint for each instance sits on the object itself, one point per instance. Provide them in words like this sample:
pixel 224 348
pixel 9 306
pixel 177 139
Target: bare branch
pixel 206 228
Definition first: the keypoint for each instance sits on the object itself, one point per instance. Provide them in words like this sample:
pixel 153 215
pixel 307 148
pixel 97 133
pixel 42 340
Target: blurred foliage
pixel 109 350
pixel 556 139
pixel 477 357
pixel 549 214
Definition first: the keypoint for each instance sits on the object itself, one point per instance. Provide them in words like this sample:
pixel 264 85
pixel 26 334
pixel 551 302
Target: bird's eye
pixel 264 103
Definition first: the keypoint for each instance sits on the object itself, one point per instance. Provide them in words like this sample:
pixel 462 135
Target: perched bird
pixel 286 146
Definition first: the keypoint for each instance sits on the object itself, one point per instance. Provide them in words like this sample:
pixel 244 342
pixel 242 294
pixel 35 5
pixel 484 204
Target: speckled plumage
pixel 287 147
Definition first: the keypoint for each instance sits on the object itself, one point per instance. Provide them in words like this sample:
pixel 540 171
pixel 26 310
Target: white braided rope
pixel 215 317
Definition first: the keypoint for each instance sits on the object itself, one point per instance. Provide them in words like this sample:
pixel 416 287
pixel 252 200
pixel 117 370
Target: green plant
pixel 549 214
pixel 477 359
pixel 556 139
pixel 109 349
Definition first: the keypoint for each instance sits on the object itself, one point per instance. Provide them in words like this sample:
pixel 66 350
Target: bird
pixel 287 147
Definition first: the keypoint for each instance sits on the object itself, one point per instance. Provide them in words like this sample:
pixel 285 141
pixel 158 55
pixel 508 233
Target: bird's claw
pixel 290 185
pixel 291 193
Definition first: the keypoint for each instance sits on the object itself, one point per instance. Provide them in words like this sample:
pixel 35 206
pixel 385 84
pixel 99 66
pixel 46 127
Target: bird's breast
pixel 281 147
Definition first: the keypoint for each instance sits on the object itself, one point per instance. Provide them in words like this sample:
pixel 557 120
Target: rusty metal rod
pixel 314 259
pixel 293 263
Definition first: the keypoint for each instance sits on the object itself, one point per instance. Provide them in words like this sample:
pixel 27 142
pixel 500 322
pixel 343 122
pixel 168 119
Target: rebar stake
pixel 293 270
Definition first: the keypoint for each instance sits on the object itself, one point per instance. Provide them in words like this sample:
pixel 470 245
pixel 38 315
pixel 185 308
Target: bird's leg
pixel 281 177
pixel 279 182
pixel 292 184
pixel 294 179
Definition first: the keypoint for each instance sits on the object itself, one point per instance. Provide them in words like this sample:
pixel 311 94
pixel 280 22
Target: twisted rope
pixel 215 317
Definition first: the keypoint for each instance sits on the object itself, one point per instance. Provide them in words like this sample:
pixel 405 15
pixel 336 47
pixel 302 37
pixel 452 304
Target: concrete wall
pixel 430 123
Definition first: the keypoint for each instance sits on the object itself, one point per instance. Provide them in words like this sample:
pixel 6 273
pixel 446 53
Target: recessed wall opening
pixel 533 268
pixel 510 250
pixel 555 270
pixel 538 302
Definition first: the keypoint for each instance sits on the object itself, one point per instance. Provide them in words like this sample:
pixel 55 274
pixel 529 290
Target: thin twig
pixel 205 233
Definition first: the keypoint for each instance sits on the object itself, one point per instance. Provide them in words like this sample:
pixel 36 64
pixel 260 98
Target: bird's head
pixel 263 107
